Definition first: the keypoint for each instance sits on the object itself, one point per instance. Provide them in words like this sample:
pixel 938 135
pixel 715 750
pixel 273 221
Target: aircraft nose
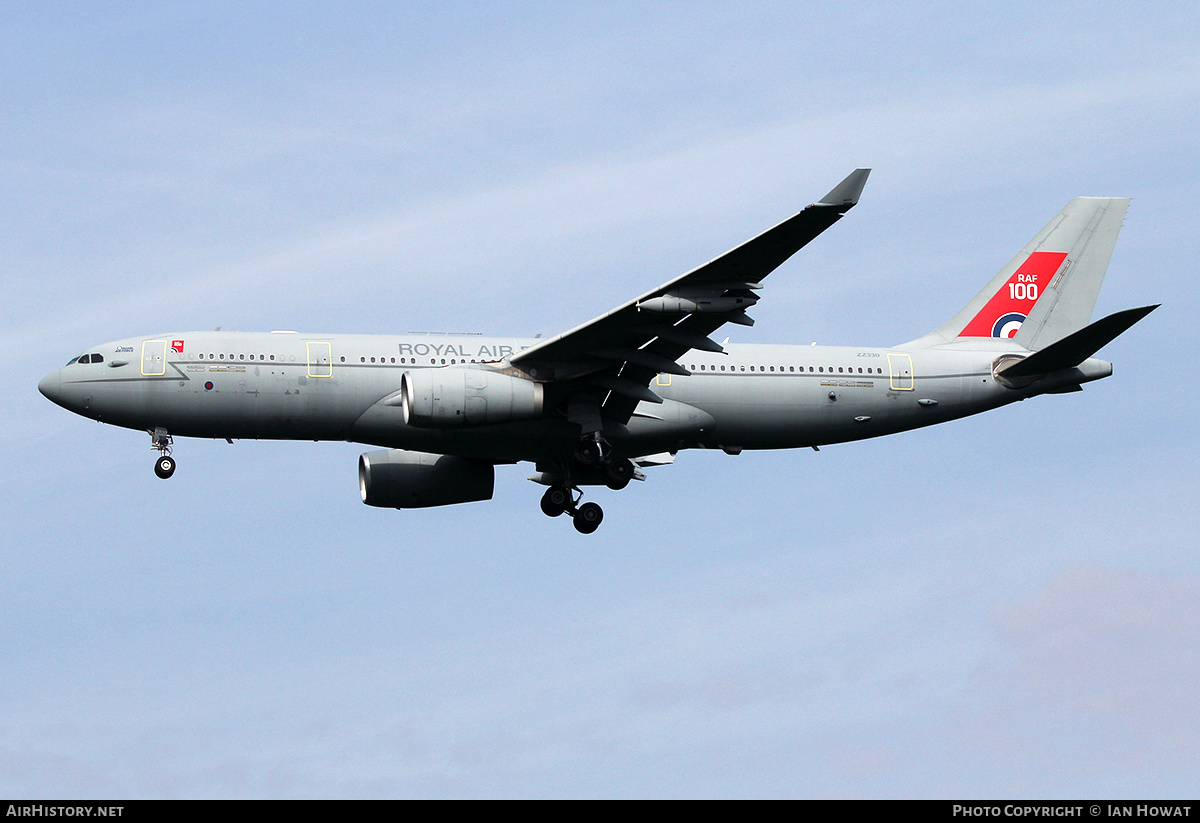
pixel 51 387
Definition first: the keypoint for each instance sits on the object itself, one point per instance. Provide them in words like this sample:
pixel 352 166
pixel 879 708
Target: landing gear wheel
pixel 617 473
pixel 164 466
pixel 556 500
pixel 587 453
pixel 587 518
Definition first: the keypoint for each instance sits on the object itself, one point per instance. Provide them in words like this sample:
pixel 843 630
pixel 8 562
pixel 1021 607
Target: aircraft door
pixel 320 359
pixel 154 358
pixel 900 366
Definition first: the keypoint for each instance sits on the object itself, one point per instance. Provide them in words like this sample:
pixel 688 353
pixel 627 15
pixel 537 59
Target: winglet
pixel 846 193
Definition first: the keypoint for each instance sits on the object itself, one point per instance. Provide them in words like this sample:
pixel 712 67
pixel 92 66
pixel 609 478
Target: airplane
pixel 625 391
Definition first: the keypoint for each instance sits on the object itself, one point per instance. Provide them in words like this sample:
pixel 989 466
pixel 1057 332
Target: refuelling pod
pixel 399 479
pixel 456 398
pixel 687 304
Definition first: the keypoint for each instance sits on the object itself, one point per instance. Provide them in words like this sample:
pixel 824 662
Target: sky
pixel 1003 606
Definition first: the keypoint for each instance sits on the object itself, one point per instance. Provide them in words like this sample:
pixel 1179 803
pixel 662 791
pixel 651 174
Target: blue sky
pixel 1001 606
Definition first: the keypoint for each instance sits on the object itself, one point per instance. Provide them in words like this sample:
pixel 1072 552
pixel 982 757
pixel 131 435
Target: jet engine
pixel 399 479
pixel 457 398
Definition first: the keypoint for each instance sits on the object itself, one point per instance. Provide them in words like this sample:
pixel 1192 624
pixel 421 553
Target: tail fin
pixel 1049 289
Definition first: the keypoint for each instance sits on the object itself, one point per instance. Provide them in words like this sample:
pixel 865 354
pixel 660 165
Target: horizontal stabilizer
pixel 1078 346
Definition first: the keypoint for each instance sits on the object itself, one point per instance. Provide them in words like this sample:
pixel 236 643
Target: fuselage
pixel 286 385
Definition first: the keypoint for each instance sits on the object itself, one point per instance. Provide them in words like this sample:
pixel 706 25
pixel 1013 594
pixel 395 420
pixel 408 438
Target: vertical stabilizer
pixel 1049 289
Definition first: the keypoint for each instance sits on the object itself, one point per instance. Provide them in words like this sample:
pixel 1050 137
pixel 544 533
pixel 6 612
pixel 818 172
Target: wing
pixel 614 357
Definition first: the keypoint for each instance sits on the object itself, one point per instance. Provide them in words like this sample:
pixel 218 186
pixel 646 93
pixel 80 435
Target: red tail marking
pixel 1018 296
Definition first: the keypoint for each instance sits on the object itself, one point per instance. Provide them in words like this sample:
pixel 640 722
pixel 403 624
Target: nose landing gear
pixel 164 466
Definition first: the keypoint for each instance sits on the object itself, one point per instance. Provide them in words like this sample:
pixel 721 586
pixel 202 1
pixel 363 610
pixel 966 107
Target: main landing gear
pixel 164 466
pixel 589 464
pixel 616 471
pixel 560 499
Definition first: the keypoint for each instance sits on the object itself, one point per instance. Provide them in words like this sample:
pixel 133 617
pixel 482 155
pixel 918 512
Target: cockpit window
pixel 72 360
pixel 97 358
pixel 84 358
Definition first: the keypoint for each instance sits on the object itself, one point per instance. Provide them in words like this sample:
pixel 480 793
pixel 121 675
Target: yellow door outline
pixel 664 376
pixel 154 355
pixel 320 359
pixel 900 366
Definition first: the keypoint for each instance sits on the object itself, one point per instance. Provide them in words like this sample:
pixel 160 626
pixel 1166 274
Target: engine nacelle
pixel 399 479
pixel 457 398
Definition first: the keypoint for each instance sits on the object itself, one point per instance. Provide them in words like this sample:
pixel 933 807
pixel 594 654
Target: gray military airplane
pixel 627 390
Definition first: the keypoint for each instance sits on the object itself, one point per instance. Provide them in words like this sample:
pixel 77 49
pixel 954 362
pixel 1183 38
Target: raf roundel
pixel 208 386
pixel 1008 325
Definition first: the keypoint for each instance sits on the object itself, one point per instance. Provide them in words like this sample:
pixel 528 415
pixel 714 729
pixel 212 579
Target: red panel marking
pixel 1028 283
